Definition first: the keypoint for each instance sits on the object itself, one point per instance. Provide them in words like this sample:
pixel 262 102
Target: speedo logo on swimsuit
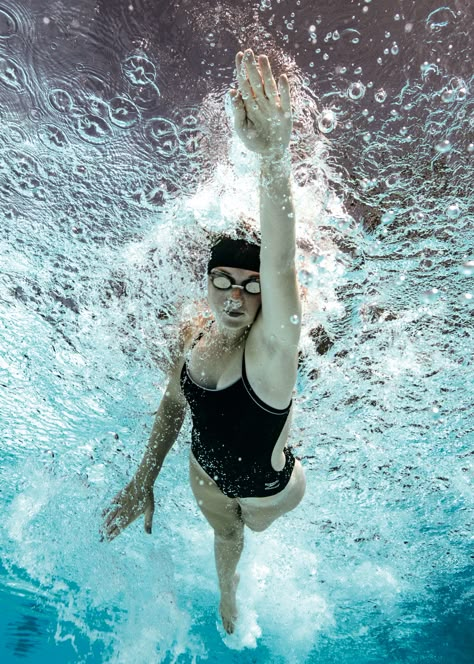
pixel 271 485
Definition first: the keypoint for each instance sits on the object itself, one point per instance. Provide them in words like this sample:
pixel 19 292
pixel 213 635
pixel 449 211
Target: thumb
pixel 149 509
pixel 238 107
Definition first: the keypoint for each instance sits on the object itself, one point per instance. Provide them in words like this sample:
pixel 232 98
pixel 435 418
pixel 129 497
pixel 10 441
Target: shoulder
pixel 188 330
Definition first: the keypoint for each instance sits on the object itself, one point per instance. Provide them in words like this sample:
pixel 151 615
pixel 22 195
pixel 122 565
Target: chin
pixel 234 323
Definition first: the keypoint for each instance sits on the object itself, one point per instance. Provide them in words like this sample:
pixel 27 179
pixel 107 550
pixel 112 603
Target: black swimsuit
pixel 234 434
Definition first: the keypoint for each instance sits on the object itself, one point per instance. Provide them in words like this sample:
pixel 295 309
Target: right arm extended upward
pixel 137 497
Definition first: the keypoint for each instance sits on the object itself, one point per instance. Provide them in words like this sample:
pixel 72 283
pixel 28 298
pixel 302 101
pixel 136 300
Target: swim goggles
pixel 223 282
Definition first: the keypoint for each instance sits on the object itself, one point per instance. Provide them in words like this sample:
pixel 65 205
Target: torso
pixel 271 374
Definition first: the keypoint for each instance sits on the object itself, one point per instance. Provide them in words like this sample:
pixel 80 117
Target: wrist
pixel 146 475
pixel 275 155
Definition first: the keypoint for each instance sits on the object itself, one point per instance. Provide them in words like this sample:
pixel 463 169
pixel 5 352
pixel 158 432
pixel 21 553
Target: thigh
pixel 223 513
pixel 259 513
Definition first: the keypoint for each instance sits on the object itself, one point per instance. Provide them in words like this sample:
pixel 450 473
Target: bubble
pixel 123 112
pixel 392 180
pixel 388 216
pixel 163 136
pixel 11 75
pixel 294 320
pixel 428 67
pixel 467 268
pixel 443 146
pixel 92 129
pixel 336 35
pixel 139 70
pixel 467 296
pixel 8 25
pixel 448 96
pixel 61 100
pixel 394 50
pixel 380 96
pixel 305 277
pixel 52 137
pixel 327 122
pixel 470 147
pixel 430 295
pixel 440 18
pixel 16 133
pixel 453 211
pixel 461 94
pixel 356 90
pixel 97 106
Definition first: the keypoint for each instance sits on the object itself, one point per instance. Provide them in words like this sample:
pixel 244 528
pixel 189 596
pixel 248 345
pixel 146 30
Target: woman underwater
pixel 237 369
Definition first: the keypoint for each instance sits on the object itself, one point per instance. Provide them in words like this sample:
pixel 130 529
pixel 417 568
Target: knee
pixel 258 525
pixel 231 533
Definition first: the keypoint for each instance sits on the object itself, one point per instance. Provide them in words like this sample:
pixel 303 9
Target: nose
pixel 236 292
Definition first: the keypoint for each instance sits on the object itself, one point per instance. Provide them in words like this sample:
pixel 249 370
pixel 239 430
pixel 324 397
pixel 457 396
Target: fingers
pixel 110 515
pixel 244 85
pixel 271 89
pixel 113 525
pixel 258 81
pixel 253 73
pixel 285 97
pixel 112 533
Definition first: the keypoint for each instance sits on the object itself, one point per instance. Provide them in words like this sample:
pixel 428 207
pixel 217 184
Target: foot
pixel 228 606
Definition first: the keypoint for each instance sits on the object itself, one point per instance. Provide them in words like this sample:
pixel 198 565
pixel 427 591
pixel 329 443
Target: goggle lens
pixel 224 283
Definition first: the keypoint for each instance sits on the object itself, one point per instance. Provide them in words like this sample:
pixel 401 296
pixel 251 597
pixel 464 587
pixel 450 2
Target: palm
pixel 262 110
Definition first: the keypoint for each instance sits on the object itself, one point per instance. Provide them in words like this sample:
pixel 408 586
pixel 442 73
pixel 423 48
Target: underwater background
pixel 117 158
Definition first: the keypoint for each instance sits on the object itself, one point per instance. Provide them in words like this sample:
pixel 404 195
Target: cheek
pixel 214 298
pixel 257 304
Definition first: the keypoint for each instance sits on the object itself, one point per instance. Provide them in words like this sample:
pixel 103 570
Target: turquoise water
pixel 116 157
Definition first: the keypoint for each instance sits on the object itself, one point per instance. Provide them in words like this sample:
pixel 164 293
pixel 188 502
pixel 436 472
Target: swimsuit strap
pixel 256 398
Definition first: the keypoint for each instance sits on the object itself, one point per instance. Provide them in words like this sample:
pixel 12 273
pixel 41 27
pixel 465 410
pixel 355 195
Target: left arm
pixel 281 305
pixel 263 121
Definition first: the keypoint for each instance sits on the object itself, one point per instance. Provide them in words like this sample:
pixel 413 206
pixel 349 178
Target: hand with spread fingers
pixel 130 503
pixel 262 110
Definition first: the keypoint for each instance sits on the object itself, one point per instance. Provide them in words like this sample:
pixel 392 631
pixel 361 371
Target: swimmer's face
pixel 234 307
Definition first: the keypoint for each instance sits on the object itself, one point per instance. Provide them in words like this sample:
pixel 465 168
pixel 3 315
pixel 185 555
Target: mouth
pixel 234 314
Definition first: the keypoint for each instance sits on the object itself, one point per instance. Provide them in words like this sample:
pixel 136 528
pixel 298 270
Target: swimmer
pixel 237 368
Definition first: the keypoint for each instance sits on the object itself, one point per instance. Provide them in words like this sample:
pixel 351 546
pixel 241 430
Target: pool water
pixel 117 156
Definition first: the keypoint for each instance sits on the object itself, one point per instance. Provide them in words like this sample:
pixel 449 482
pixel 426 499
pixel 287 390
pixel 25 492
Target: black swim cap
pixel 235 253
